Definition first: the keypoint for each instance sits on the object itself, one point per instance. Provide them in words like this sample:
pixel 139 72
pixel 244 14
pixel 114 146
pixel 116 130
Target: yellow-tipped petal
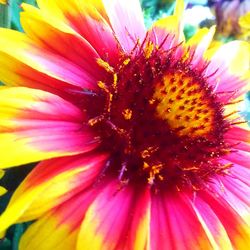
pixel 17 207
pixel 233 57
pixel 1 173
pixel 33 125
pixel 200 42
pixel 2 191
pixel 179 8
pixel 202 38
pixel 173 24
pixel 46 234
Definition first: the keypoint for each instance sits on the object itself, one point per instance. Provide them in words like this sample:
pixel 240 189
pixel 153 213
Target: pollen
pixel 126 61
pixel 148 152
pixel 127 114
pixel 105 65
pixel 149 49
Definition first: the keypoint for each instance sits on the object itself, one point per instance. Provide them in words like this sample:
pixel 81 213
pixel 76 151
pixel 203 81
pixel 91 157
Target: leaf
pixel 5 18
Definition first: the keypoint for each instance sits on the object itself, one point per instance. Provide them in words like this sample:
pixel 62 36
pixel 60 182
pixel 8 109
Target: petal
pixel 87 167
pixel 47 234
pixel 2 191
pixel 174 224
pixel 24 60
pixel 89 19
pixel 200 43
pixel 127 21
pixel 237 230
pixel 117 219
pixel 37 125
pixel 225 67
pixel 237 194
pixel 106 219
pixel 239 157
pixel 41 192
pixel 239 138
pixel 170 25
pixel 1 173
pixel 238 171
pixel 57 37
pixel 160 232
pixel 139 231
pixel 59 228
pixel 212 225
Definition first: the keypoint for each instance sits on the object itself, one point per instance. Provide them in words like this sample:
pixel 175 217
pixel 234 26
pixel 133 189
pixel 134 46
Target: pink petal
pixel 236 228
pixel 174 224
pixel 127 21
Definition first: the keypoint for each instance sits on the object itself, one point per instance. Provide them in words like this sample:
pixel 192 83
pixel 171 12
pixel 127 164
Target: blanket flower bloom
pixel 138 134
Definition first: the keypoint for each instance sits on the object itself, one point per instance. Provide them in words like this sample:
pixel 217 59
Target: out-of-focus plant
pixel 10 13
pixel 227 15
pixel 244 23
pixel 154 9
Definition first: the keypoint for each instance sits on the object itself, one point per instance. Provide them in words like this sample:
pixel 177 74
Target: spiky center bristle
pixel 161 122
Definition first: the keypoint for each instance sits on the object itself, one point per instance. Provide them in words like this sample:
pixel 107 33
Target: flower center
pixel 161 122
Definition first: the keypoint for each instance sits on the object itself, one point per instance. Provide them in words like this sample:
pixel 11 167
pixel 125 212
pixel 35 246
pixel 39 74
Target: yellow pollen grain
pixel 105 65
pixel 127 114
pixel 145 165
pixel 149 49
pixel 145 154
pixel 95 120
pixel 154 171
pixel 161 178
pixel 192 168
pixel 148 152
pixel 151 101
pixel 126 62
pixel 103 86
pixel 115 80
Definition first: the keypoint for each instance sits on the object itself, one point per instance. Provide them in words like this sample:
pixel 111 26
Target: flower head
pixel 138 134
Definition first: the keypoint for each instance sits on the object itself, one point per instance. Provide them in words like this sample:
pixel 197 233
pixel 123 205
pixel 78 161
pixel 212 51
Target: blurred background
pixel 231 17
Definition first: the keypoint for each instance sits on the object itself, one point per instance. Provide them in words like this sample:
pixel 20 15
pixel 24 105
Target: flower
pixel 138 134
pixel 228 13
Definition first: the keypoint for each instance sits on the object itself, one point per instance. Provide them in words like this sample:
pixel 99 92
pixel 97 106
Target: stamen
pixel 123 170
pixel 234 102
pixel 103 86
pixel 105 65
pixel 92 122
pixel 230 114
pixel 149 49
pixel 115 80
